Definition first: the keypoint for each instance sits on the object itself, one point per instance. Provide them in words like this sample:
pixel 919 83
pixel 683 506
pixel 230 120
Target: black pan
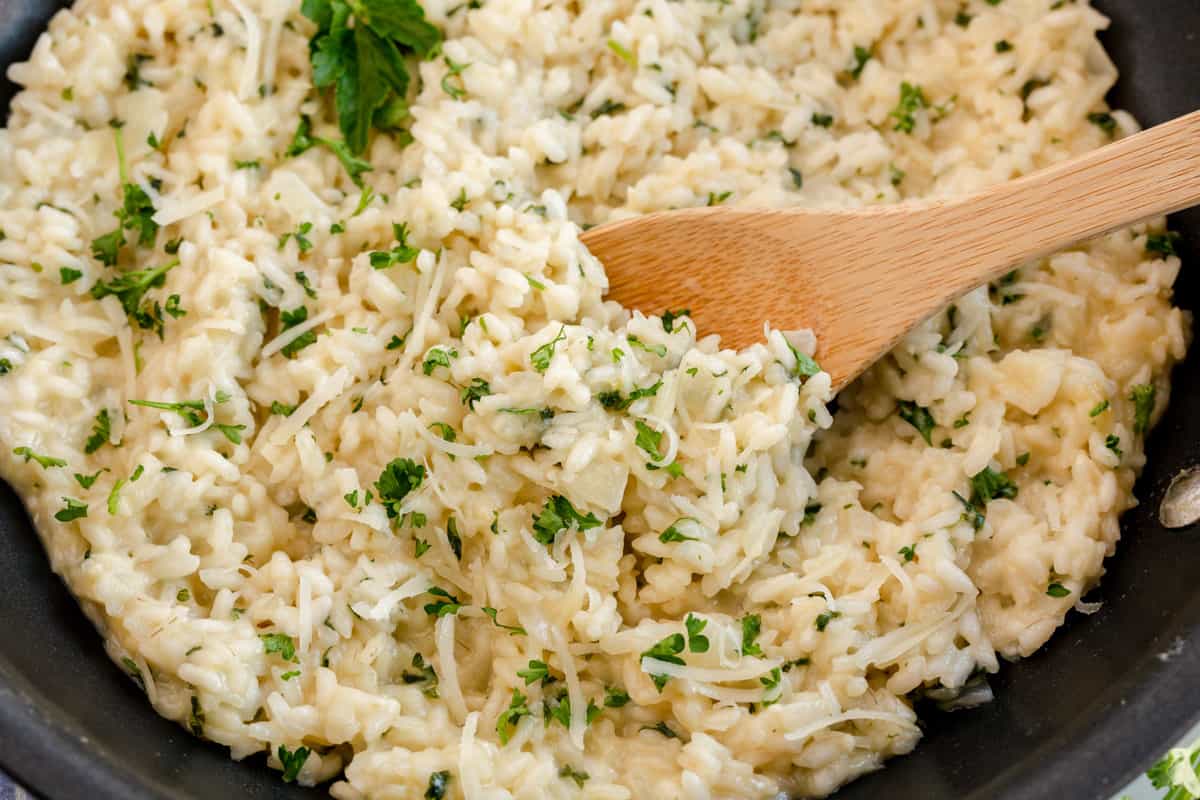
pixel 1103 699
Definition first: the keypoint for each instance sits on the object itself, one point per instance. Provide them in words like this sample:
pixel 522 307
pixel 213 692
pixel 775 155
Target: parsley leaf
pixel 912 99
pixel 292 762
pixel 649 440
pixel 1143 396
pixel 101 431
pixel 513 630
pixel 131 287
pixel 437 785
pixel 1177 770
pixel 46 462
pixel 920 418
pixel 613 401
pixel 536 671
pixel 402 253
pixel 672 533
pixel 666 650
pixel 135 214
pixel 697 643
pixel 990 485
pixel 506 724
pixel 471 393
pixel 1162 245
pixel 437 357
pixel 364 63
pixel 400 477
pixel 669 318
pixel 558 515
pixel 445 604
pixel 71 511
pixel 1056 589
pixel 279 643
pixel 540 358
pixel 291 319
pixel 751 628
pixel 615 698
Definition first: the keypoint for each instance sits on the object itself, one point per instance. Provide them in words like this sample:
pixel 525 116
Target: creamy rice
pixel 814 573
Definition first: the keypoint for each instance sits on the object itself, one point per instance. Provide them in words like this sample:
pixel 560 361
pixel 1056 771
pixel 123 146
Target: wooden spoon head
pixel 737 270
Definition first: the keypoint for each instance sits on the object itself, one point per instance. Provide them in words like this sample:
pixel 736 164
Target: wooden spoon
pixel 861 279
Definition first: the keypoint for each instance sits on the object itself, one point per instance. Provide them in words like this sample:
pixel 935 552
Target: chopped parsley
pixel 805 366
pixel 424 674
pixel 101 431
pixel 613 401
pixel 824 618
pixel 86 481
pixel 920 418
pixel 292 762
pixel 71 511
pixel 1113 443
pixel 670 318
pixel 517 709
pixel 445 604
pixel 437 785
pixel 400 477
pixel 453 538
pixel 558 515
pixel 536 671
pixel 437 357
pixel 402 253
pixel 136 214
pixel 1099 408
pixel 567 771
pixel 1163 244
pixel 659 350
pixel 471 394
pixel 1056 589
pixel 300 235
pixel 912 99
pixel 861 56
pixel 908 553
pixel 615 698
pixel 1104 121
pixel 991 485
pixel 281 409
pixel 303 141
pixel 131 287
pixel 649 440
pixel 69 275
pixel 280 643
pixel 751 628
pixel 291 319
pixel 540 358
pixel 971 514
pixel 697 643
pixel 513 630
pixel 46 462
pixel 663 728
pixel 1143 396
pixel 666 650
pixel 455 89
pixel 672 533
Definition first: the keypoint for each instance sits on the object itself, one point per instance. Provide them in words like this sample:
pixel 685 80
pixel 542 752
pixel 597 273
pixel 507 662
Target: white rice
pixel 886 590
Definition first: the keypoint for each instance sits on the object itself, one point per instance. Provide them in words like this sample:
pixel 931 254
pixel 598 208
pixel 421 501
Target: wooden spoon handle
pixel 1153 172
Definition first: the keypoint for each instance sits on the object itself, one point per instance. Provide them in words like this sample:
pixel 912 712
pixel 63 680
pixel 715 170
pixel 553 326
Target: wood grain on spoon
pixel 861 279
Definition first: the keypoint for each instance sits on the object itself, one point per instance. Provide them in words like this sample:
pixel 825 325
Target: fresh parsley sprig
pixel 359 51
pixel 135 214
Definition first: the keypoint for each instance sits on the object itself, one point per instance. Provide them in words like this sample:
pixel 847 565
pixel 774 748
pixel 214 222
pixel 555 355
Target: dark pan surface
pixel 1077 720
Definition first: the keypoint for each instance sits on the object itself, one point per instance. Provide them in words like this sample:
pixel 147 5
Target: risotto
pixel 314 397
